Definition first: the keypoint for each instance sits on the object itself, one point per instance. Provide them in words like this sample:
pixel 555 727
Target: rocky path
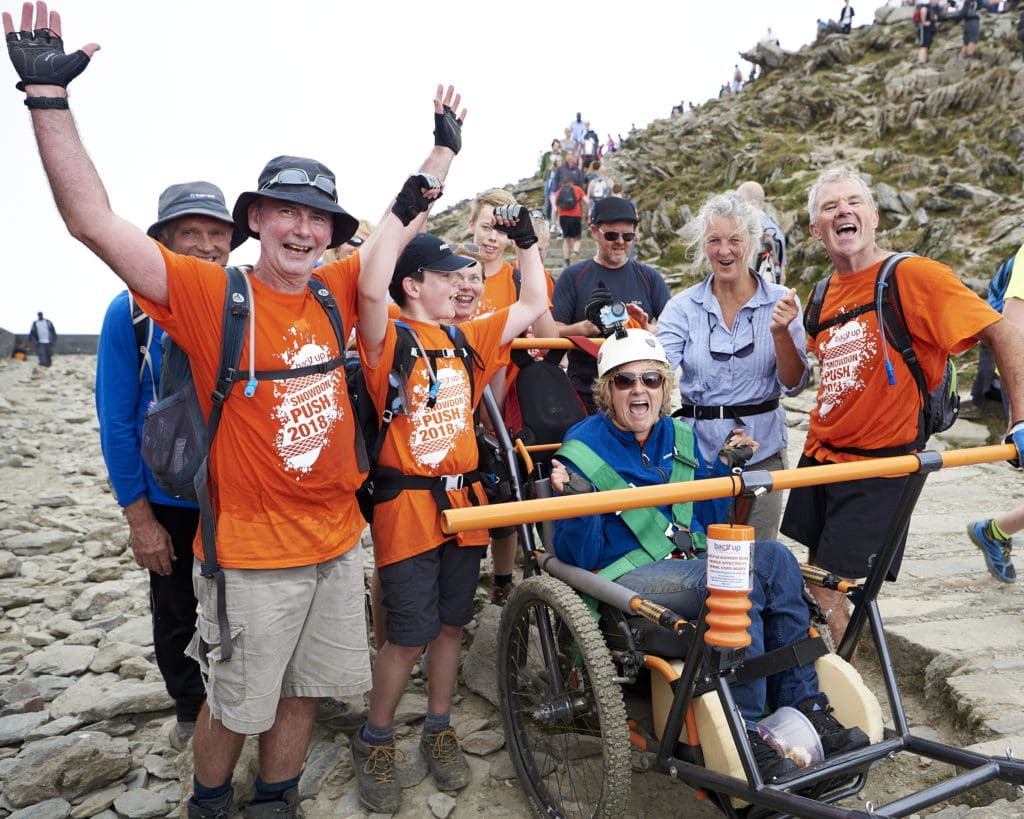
pixel 84 715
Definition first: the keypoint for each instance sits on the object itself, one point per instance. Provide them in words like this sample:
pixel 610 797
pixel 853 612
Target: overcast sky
pixel 211 90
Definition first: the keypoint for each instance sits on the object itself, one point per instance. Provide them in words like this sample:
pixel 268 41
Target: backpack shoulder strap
pixel 324 296
pixel 143 326
pixel 892 320
pixel 813 311
pixel 237 309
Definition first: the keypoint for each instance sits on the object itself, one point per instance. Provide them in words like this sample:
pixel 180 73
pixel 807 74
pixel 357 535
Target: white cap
pixel 637 345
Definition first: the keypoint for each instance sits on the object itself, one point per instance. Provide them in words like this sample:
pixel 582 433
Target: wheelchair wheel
pixel 565 723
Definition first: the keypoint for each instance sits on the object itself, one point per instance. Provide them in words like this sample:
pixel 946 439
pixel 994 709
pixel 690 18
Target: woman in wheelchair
pixel 633 441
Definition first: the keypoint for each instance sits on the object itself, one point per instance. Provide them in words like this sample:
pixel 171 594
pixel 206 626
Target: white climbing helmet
pixel 636 345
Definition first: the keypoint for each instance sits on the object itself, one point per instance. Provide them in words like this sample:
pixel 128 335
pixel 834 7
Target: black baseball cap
pixel 300 180
pixel 428 252
pixel 614 209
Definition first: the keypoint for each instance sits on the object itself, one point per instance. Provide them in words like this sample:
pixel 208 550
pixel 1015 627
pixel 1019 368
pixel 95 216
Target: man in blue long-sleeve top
pixel 192 219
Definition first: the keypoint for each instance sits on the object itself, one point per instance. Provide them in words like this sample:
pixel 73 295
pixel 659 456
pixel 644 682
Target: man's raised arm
pixel 405 217
pixel 45 71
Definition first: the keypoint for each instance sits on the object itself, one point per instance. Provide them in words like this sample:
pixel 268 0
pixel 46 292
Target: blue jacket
pixel 122 399
pixel 595 541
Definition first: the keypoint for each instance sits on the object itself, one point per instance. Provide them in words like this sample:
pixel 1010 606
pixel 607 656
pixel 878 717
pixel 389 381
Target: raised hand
pixel 448 124
pixel 784 311
pixel 418 193
pixel 515 222
pixel 38 54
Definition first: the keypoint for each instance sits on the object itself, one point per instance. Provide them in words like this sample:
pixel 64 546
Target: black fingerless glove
pixel 735 456
pixel 448 130
pixel 600 297
pixel 410 201
pixel 38 57
pixel 522 231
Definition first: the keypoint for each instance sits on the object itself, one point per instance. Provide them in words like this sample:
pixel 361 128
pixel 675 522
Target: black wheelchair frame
pixel 561 695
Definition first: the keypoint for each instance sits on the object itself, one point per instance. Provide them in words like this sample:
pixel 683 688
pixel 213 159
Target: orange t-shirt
pixel 283 462
pixel 856 406
pixel 500 291
pixel 432 441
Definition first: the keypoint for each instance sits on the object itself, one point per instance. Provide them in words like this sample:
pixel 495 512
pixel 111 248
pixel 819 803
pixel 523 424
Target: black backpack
pixel 566 198
pixel 940 407
pixel 769 257
pixel 384 483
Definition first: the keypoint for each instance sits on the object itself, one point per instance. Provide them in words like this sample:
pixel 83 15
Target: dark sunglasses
pixel 297 176
pixel 355 241
pixel 650 379
pixel 742 352
pixel 614 235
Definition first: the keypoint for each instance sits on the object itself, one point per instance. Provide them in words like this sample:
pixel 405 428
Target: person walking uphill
pixel 861 412
pixel 281 619
pixel 44 336
pixel 193 220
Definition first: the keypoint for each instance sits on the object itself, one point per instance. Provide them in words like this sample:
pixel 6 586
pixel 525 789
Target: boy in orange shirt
pixel 427 462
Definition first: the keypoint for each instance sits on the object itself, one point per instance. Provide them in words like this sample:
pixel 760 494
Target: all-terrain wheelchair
pixel 595 682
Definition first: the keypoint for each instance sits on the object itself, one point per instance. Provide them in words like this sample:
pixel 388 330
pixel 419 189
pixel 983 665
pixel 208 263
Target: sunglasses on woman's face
pixel 650 379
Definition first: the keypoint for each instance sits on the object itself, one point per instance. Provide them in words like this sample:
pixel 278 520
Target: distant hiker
pixel 737 79
pixel 771 257
pixel 970 13
pixel 926 19
pixel 846 17
pixel 42 333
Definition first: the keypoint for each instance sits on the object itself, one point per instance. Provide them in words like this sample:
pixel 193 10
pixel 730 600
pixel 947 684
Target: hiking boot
pixel 374 767
pixel 286 806
pixel 210 808
pixel 340 715
pixel 996 552
pixel 770 762
pixel 444 758
pixel 835 739
pixel 179 734
pixel 501 592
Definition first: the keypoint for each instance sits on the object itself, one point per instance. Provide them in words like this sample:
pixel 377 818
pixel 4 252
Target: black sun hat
pixel 300 180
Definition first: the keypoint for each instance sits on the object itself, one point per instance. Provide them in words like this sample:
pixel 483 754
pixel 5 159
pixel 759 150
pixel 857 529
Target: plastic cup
pixel 791 734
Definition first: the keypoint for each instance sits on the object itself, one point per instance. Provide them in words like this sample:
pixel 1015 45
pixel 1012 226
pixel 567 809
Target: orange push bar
pixel 531 343
pixel 596 503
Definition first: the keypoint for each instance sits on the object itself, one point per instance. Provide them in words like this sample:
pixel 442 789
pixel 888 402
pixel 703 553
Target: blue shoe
pixel 997 553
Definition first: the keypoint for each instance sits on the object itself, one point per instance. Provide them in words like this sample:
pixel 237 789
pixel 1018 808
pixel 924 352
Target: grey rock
pixel 478 668
pixel 412 767
pixel 45 542
pixel 441 805
pixel 54 501
pixel 55 728
pixel 161 767
pixel 48 809
pixel 140 804
pixel 97 801
pixel 136 630
pixel 62 660
pixel 129 697
pixel 78 697
pixel 16 593
pixel 110 655
pixel 95 597
pixel 320 761
pixel 13 728
pixel 483 743
pixel 85 637
pixel 68 767
pixel 9 564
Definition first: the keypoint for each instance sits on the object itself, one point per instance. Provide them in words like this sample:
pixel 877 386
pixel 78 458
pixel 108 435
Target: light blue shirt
pixel 691 326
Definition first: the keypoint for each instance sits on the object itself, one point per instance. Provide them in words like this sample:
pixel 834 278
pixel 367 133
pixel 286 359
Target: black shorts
pixel 925 35
pixel 428 589
pixel 844 524
pixel 972 30
pixel 572 226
